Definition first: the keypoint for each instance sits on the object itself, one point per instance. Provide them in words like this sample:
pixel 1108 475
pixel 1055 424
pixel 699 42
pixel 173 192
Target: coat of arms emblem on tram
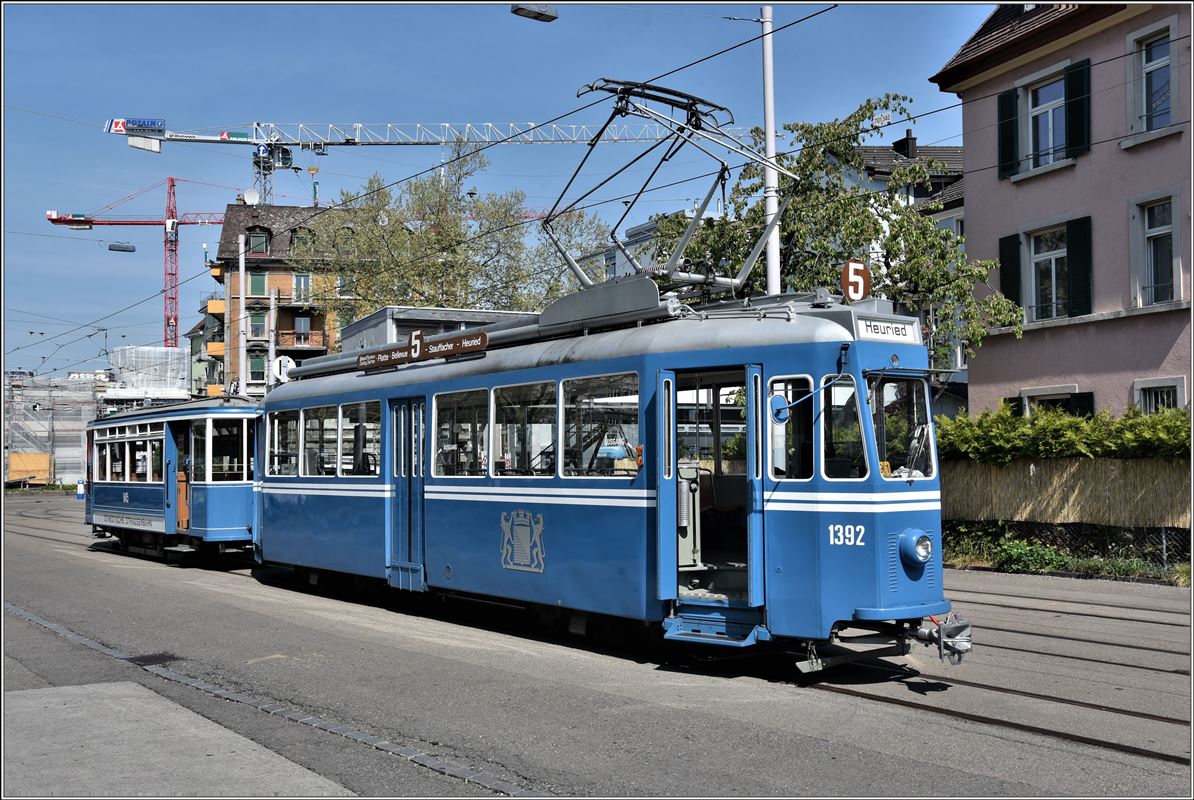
pixel 522 541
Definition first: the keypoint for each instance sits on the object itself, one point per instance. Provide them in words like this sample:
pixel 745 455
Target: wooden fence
pixel 1127 492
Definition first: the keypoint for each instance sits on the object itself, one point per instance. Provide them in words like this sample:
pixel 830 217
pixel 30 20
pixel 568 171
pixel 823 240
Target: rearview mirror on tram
pixel 779 409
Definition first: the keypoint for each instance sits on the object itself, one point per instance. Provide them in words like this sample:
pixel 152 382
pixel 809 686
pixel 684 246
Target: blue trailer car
pixel 175 478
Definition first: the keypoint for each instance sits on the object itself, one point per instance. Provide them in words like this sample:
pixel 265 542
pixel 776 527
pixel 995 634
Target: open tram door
pixel 181 471
pixel 709 497
pixel 406 554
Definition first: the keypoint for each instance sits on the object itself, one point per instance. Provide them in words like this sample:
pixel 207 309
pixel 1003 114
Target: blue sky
pixel 67 68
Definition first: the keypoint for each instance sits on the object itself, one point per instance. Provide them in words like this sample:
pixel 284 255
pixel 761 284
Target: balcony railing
pixel 1157 293
pixel 302 339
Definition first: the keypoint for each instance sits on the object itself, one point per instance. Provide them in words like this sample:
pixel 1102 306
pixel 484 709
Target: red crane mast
pixel 170 224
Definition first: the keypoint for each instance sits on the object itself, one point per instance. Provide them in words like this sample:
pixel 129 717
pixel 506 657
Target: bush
pixel 998 437
pixel 1021 556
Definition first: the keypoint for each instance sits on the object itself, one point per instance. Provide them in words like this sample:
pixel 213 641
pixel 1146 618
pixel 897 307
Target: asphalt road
pixel 481 691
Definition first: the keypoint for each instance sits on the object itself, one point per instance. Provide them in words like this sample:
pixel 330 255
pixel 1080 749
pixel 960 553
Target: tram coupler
pixel 952 636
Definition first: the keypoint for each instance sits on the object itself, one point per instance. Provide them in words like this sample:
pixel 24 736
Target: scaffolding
pixel 48 416
pixel 151 368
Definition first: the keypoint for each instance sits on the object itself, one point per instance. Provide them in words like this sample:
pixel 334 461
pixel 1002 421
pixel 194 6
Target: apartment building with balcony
pixel 1077 163
pixel 285 298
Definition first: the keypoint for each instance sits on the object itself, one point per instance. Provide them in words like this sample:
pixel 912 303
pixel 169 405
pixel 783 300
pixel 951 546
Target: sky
pixel 210 67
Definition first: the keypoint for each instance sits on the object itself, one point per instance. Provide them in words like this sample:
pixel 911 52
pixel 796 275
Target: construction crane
pixel 170 224
pixel 275 144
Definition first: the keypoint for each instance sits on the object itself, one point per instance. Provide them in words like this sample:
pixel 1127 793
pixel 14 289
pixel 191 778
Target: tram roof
pixel 213 405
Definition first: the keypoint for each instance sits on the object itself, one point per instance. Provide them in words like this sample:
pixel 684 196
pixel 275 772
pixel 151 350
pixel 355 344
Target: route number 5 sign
pixel 856 280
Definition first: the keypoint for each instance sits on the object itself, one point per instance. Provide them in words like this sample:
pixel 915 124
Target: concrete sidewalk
pixel 122 739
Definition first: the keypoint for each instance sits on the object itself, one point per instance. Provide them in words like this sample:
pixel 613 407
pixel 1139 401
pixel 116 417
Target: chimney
pixel 240 198
pixel 906 146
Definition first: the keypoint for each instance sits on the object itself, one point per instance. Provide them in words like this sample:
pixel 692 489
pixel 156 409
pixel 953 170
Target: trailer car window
pixel 360 439
pixel 199 451
pixel 525 429
pixel 601 436
pixel 227 450
pixel 462 426
pixel 101 462
pixel 319 441
pixel 282 443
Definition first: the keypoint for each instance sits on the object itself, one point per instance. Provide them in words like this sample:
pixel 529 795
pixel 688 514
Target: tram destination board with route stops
pixel 419 350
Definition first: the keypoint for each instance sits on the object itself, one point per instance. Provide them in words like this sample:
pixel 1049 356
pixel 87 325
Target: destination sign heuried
pixel 885 330
pixel 424 350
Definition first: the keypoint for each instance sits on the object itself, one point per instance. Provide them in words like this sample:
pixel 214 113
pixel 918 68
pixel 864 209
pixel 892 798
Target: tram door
pixel 709 478
pixel 182 447
pixel 409 439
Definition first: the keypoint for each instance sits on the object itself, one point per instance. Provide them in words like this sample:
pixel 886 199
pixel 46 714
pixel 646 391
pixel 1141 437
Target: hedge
pixel 999 437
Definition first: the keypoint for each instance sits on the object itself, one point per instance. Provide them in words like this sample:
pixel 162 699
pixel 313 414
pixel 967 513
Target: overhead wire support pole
pixel 770 176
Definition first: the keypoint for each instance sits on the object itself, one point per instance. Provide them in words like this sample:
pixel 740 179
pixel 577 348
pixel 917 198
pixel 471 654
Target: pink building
pixel 1078 164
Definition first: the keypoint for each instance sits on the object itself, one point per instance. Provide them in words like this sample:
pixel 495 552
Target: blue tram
pixel 174 479
pixel 734 473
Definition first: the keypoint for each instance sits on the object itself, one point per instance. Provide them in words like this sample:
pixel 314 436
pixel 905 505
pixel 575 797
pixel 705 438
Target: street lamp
pixel 541 12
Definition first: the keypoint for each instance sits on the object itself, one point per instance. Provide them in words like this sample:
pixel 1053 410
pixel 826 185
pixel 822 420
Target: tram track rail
pixel 1080 613
pixel 949 680
pixel 985 719
pixel 952 595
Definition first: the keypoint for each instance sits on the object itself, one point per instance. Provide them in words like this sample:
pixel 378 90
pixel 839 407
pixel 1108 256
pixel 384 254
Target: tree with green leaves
pixel 434 241
pixel 833 217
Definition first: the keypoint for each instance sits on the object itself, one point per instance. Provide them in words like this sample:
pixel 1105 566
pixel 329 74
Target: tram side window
pixel 155 460
pixel 282 443
pixel 845 454
pixel 199 450
pixel 900 414
pixel 319 441
pixel 118 459
pixel 101 462
pixel 462 422
pixel 601 435
pixel 792 452
pixel 360 439
pixel 525 429
pixel 227 450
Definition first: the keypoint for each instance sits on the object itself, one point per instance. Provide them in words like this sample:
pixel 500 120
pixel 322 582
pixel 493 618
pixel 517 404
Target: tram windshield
pixel 900 413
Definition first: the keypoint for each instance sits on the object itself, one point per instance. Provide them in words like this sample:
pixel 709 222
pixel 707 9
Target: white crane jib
pixel 274 143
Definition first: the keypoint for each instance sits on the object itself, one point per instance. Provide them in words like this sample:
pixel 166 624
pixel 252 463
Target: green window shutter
pixel 1009 268
pixel 1077 109
pixel 1017 405
pixel 1079 266
pixel 1009 133
pixel 1081 404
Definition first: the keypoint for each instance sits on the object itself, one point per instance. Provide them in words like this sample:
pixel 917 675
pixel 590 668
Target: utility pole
pixel 770 176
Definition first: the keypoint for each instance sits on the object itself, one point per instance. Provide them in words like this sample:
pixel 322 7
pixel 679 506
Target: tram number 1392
pixel 847 534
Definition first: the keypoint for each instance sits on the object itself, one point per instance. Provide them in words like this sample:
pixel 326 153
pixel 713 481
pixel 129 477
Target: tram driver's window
pixel 101 462
pixel 282 443
pixel 792 453
pixel 845 453
pixel 155 460
pixel 228 450
pixel 601 435
pixel 199 451
pixel 524 429
pixel 319 441
pixel 462 430
pixel 119 461
pixel 360 439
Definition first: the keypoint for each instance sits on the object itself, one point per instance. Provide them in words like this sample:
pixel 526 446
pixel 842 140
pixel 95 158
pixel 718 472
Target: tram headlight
pixel 916 547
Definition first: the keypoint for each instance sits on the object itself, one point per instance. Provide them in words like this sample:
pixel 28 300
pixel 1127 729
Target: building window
pixel 257 326
pixel 1049 278
pixel 1155 398
pixel 343 288
pixel 1155 105
pixel 302 330
pixel 258 243
pixel 1158 253
pixel 302 287
pixel 1156 394
pixel 611 264
pixel 1047 122
pixel 256 369
pixel 257 284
